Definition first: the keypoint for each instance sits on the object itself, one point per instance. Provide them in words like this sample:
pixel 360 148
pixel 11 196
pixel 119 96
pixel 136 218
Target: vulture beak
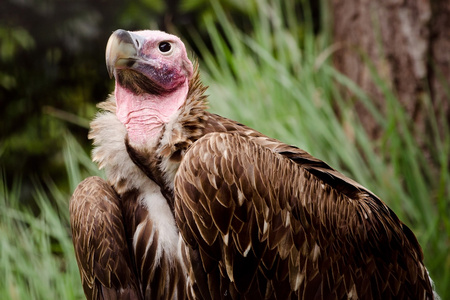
pixel 122 50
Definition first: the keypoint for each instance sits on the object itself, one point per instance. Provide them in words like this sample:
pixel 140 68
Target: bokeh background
pixel 363 86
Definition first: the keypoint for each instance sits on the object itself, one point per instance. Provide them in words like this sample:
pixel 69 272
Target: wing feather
pixel 100 243
pixel 289 226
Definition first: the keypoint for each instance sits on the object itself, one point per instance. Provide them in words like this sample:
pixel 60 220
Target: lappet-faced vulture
pixel 198 206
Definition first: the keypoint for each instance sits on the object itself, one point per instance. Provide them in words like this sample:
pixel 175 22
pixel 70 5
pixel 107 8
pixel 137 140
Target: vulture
pixel 197 206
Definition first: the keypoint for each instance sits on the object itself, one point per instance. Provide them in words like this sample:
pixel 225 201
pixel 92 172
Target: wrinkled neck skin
pixel 145 115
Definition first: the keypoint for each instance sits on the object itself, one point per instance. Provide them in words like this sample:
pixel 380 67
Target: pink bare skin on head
pixel 157 86
pixel 145 115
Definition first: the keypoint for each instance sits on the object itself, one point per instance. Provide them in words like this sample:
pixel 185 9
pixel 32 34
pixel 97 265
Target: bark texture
pixel 407 41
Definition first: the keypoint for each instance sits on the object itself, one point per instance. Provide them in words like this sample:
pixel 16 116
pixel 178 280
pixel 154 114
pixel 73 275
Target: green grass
pixel 37 259
pixel 278 80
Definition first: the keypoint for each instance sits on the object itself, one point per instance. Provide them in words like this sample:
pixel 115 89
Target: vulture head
pixel 152 73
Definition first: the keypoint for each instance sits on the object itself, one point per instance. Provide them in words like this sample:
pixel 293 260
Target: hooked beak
pixel 122 50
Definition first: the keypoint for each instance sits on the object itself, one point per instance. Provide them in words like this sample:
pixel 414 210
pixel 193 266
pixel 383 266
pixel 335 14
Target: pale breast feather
pixel 148 235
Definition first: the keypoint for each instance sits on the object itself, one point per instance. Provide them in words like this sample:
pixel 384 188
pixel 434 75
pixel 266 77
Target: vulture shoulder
pixel 262 220
pixel 100 242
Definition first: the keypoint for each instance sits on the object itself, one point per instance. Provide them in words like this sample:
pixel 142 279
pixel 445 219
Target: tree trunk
pixel 408 43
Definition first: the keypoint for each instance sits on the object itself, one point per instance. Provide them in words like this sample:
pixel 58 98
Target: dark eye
pixel 165 47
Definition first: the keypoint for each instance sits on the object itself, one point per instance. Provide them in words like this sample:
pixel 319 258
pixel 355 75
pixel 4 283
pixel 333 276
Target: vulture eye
pixel 165 48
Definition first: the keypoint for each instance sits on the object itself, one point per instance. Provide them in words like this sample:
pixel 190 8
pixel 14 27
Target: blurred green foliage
pixel 51 61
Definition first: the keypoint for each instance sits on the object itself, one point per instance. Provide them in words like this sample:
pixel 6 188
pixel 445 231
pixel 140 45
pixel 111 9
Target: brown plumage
pixel 207 208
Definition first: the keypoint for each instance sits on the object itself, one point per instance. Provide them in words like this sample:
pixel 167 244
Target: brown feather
pixel 339 240
pixel 102 255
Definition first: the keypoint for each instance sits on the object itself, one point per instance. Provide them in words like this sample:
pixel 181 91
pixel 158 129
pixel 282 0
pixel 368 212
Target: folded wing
pixel 262 219
pixel 100 243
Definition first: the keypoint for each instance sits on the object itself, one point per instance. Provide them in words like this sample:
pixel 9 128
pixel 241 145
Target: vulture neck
pixel 109 134
pixel 145 115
